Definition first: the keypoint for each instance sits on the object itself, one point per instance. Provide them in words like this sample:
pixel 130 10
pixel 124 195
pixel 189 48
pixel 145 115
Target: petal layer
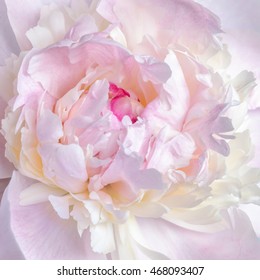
pixel 46 235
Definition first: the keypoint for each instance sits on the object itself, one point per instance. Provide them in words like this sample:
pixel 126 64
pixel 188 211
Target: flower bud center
pixel 123 103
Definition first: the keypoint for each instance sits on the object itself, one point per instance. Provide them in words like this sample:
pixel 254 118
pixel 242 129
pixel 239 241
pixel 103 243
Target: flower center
pixel 122 103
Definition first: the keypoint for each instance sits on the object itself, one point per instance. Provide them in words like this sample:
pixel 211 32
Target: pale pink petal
pixel 173 100
pixel 29 90
pixel 64 105
pixel 49 127
pixel 23 21
pixel 7 39
pixel 92 102
pixel 169 21
pixel 125 173
pixel 144 76
pixel 85 25
pixel 153 70
pixel 40 232
pixel 40 72
pixel 170 150
pixel 134 144
pixel 44 68
pixel 238 242
pixel 9 248
pixel 212 124
pixel 65 165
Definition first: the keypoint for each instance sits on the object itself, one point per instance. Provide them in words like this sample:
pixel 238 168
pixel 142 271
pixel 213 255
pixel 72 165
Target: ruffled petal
pixel 127 177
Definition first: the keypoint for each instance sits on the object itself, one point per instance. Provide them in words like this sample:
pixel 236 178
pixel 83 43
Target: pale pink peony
pixel 128 131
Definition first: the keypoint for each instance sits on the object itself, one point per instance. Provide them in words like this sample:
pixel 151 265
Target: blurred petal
pixel 9 249
pixel 237 242
pixel 170 21
pixel 253 212
pixel 3 185
pixel 7 38
pixel 254 120
pixel 240 22
pixel 40 232
pixel 28 18
pixel 6 168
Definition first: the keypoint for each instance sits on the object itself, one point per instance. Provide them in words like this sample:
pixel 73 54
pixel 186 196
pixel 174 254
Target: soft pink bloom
pixel 126 131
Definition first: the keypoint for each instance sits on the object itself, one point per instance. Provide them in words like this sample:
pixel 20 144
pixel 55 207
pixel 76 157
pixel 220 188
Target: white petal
pixel 102 238
pixel 61 205
pixel 23 15
pixel 37 193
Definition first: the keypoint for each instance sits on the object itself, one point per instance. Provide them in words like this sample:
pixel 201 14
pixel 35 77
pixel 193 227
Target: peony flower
pixel 129 130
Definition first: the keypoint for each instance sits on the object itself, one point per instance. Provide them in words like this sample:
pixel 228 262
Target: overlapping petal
pixel 44 228
pixel 168 22
pixel 238 241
